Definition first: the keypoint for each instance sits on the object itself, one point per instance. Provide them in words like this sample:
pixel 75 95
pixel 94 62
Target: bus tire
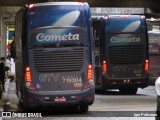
pixel 100 90
pixel 122 90
pixel 21 102
pixel 158 113
pixel 0 94
pixel 16 88
pixel 132 91
pixel 128 91
pixel 25 109
pixel 83 108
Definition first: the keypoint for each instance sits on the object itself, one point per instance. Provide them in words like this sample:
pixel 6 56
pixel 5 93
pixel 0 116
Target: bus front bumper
pixel 115 83
pixel 36 99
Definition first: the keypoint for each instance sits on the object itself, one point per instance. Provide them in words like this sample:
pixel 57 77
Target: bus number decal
pixel 72 79
pixel 48 77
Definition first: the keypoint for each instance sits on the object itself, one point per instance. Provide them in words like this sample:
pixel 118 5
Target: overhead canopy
pixel 93 3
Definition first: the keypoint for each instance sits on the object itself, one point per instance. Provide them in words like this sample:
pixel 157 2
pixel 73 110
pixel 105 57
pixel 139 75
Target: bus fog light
pixel 91 82
pixel 28 84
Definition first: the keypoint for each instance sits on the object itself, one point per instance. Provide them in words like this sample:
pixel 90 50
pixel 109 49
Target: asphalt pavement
pixel 9 98
pixel 9 103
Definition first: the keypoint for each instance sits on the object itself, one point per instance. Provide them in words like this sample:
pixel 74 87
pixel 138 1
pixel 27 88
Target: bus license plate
pixel 60 99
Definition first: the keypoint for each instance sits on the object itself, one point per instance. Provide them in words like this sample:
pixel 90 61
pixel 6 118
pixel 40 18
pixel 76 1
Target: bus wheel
pixel 128 91
pixel 122 90
pixel 25 109
pixel 0 94
pixel 100 90
pixel 83 108
pixel 157 118
pixel 132 91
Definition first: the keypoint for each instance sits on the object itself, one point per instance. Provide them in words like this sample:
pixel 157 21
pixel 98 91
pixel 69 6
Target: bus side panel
pixel 18 58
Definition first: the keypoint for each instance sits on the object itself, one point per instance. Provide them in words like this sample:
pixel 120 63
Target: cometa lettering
pixel 42 37
pixel 133 39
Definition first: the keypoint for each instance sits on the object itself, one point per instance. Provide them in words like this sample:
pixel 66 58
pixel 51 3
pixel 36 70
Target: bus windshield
pixel 125 25
pixel 57 15
pixel 66 26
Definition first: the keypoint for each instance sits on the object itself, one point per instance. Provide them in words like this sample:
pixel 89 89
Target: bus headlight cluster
pixel 28 84
pixel 91 82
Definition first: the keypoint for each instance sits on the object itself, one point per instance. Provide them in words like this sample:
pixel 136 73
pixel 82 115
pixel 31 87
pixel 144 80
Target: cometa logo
pixel 133 39
pixel 43 37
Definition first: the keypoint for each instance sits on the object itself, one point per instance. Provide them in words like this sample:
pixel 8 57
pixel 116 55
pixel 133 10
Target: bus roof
pixel 58 3
pixel 124 23
pixel 126 16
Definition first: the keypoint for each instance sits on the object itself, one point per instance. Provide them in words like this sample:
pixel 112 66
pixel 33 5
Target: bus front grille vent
pixel 126 54
pixel 59 60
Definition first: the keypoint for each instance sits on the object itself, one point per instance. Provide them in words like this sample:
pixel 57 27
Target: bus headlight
pixel 157 86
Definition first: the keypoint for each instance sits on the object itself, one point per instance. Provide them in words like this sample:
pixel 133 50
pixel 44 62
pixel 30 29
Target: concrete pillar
pixel 7 18
pixel 0 34
pixel 3 35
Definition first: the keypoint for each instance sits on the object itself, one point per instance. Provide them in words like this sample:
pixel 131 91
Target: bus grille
pixel 126 54
pixel 59 60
